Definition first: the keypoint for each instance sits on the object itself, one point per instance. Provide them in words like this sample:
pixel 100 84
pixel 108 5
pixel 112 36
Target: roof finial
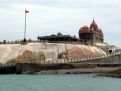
pixel 93 19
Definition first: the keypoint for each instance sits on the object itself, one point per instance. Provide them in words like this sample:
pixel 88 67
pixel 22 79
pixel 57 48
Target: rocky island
pixel 62 54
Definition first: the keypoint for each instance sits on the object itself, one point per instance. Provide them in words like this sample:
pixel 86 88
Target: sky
pixel 48 17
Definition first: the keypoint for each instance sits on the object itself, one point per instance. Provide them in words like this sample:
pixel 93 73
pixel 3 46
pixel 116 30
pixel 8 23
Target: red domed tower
pixel 91 35
pixel 93 25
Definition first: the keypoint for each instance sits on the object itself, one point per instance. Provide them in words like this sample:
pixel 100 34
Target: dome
pixel 92 29
pixel 93 25
pixel 85 27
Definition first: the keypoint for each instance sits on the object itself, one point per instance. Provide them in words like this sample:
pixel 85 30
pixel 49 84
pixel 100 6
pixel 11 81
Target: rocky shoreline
pixel 108 70
pixel 100 71
pixel 111 75
pixel 115 73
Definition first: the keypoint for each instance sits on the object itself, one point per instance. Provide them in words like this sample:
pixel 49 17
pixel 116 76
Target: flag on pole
pixel 26 11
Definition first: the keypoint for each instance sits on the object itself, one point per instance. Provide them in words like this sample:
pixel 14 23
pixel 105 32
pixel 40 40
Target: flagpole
pixel 25 28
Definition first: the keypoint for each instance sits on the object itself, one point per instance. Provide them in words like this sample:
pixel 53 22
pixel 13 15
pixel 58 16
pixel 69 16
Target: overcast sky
pixel 67 16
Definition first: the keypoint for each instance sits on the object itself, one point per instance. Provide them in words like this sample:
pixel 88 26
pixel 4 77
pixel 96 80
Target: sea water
pixel 80 82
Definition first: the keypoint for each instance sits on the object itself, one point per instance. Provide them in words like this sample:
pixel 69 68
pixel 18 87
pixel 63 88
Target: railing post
pixel 119 59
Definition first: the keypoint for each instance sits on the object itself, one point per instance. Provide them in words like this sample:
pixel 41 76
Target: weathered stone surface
pixel 84 52
pixel 45 51
pixel 28 56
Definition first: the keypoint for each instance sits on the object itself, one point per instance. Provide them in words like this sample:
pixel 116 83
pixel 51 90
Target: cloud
pixel 51 16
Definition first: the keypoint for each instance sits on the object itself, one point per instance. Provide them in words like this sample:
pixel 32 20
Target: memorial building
pixel 91 35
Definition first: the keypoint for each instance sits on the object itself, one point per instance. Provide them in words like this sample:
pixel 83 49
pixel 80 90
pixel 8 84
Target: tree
pixel 74 36
pixel 4 41
pixel 30 40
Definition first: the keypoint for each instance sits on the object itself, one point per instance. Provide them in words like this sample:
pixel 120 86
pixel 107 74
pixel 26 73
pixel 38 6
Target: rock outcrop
pixel 13 53
pixel 28 56
pixel 82 51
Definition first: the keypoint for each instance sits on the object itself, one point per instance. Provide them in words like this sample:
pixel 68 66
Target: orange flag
pixel 26 11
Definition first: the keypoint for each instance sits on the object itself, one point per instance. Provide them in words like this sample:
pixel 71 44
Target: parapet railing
pixel 90 59
pixel 113 58
pixel 108 59
pixel 7 65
